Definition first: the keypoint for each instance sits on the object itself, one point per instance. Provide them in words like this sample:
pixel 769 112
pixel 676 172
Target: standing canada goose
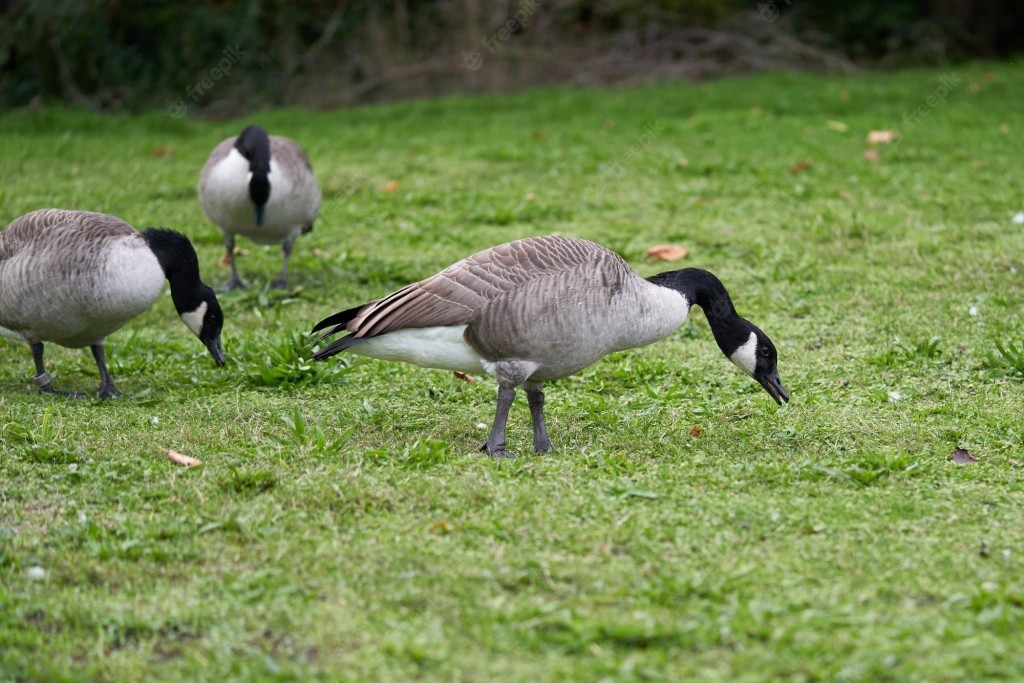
pixel 539 309
pixel 74 277
pixel 260 186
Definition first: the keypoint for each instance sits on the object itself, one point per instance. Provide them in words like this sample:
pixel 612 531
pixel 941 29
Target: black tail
pixel 338 346
pixel 336 323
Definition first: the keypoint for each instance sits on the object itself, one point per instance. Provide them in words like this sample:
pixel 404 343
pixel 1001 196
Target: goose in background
pixel 260 186
pixel 539 309
pixel 74 277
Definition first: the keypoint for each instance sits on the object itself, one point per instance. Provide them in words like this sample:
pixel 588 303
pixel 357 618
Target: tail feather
pixel 337 346
pixel 343 318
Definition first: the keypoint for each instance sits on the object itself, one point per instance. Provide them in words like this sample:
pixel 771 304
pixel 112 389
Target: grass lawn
pixel 343 525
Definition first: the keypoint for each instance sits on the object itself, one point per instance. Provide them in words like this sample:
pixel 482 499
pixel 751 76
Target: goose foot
pixel 108 391
pixel 280 283
pixel 231 286
pixel 50 391
pixel 497 452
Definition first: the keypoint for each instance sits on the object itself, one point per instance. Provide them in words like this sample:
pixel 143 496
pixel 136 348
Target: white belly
pixel 444 348
pixel 225 199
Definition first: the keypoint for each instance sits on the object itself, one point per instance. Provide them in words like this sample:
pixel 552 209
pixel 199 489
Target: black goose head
pixel 756 356
pixel 740 340
pixel 254 145
pixel 196 304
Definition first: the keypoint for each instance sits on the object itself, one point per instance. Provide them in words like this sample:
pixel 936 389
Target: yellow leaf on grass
pixel 882 137
pixel 182 459
pixel 667 252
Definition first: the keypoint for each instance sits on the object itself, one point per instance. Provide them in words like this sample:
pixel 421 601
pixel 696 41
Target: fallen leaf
pixel 974 88
pixel 390 186
pixel 538 135
pixel 529 196
pixel 882 137
pixel 441 527
pixel 667 252
pixel 683 162
pixel 872 155
pixel 962 457
pixel 459 374
pixel 165 151
pixel 838 126
pixel 696 430
pixel 1004 128
pixel 845 196
pixel 225 260
pixel 801 166
pixel 978 164
pixel 182 459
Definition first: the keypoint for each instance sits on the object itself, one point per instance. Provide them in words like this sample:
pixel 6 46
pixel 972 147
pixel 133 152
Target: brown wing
pixel 288 152
pixel 40 226
pixel 455 295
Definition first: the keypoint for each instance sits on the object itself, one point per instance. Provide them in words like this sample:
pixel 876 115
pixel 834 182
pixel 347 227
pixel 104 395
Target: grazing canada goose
pixel 74 277
pixel 260 186
pixel 539 309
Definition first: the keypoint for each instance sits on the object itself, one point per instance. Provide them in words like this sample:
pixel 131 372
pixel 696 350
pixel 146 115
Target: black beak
pixel 259 214
pixel 215 350
pixel 773 385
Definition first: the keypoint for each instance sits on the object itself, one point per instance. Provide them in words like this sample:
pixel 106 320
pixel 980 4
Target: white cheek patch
pixel 745 357
pixel 194 320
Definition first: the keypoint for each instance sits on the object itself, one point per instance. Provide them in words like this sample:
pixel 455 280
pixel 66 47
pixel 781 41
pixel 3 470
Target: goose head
pixel 196 303
pixel 254 145
pixel 206 321
pixel 752 351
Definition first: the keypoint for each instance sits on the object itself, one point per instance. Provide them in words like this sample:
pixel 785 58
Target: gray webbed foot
pixel 108 391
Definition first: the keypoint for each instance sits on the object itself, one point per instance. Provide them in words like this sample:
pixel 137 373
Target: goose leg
pixel 42 377
pixel 282 280
pixel 495 444
pixel 235 282
pixel 107 388
pixel 535 397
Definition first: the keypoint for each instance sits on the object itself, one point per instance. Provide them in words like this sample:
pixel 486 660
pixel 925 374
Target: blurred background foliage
pixel 219 57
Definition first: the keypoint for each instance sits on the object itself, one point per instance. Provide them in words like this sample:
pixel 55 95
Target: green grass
pixel 343 525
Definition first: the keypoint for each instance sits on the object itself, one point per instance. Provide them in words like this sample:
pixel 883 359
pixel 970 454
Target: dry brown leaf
pixel 696 430
pixel 962 456
pixel 390 186
pixel 225 260
pixel 667 252
pixel 182 459
pixel 441 527
pixel 682 162
pixel 459 374
pixel 974 88
pixel 164 151
pixel 845 196
pixel 801 166
pixel 529 196
pixel 882 137
pixel 872 155
pixel 538 135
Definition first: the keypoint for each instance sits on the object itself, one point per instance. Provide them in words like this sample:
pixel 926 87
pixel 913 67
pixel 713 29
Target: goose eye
pixel 765 351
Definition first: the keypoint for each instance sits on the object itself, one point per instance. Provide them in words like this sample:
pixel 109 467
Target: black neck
pixel 254 145
pixel 704 289
pixel 180 264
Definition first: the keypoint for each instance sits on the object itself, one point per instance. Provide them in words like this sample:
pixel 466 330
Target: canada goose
pixel 539 309
pixel 74 277
pixel 262 187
